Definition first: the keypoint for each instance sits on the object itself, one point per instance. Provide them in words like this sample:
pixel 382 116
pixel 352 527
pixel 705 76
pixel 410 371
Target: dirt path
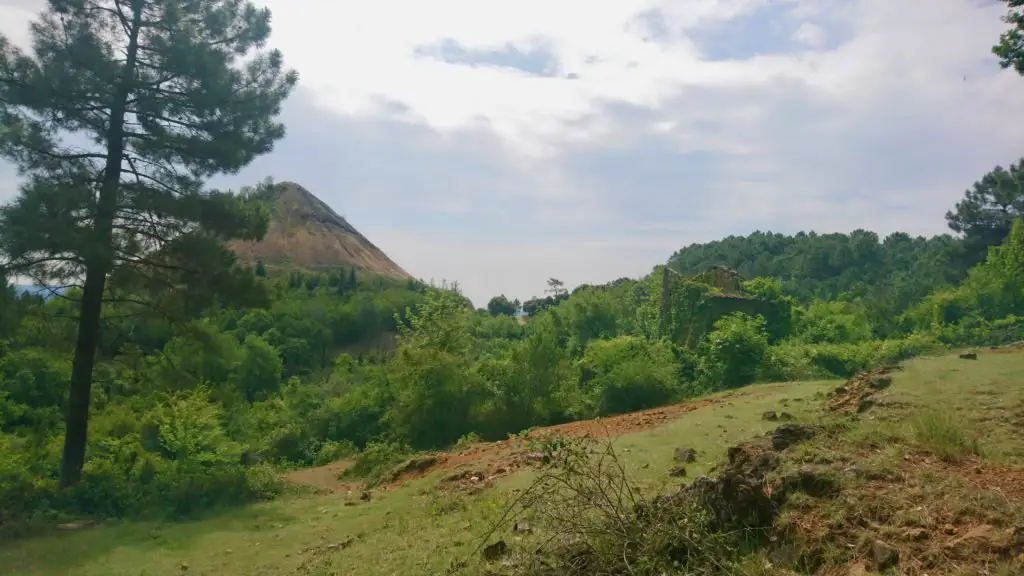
pixel 483 462
pixel 324 477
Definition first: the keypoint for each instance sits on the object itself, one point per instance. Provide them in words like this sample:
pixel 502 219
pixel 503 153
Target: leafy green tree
pixel 629 373
pixel 988 209
pixel 167 93
pixel 501 305
pixel 1011 43
pixel 259 373
pixel 996 287
pixel 443 322
pixel 732 352
pixel 832 322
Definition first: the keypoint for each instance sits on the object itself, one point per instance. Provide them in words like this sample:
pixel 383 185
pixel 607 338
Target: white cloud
pixel 810 34
pixel 500 178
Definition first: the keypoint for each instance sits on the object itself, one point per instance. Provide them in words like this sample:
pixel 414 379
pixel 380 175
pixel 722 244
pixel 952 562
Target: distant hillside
pixel 305 233
pixel 826 265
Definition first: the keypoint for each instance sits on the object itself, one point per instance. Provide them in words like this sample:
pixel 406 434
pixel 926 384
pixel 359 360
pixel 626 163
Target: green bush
pixel 629 373
pixel 731 354
pixel 376 460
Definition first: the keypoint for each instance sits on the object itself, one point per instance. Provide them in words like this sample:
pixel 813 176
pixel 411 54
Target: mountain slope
pixel 305 233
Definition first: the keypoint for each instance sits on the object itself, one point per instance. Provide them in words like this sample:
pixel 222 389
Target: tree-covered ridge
pixel 888 274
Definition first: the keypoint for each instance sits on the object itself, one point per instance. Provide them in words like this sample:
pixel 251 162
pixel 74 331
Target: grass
pixel 945 436
pixel 939 407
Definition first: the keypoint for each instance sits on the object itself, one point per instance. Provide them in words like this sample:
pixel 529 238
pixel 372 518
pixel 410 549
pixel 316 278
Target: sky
pixel 500 143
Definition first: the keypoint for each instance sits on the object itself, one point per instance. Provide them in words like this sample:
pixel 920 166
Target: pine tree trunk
pixel 98 265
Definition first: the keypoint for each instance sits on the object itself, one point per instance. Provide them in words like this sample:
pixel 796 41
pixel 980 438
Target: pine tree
pixel 115 118
pixel 1011 43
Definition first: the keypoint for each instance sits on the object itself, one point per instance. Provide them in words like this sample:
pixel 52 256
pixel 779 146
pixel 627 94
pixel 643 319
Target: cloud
pixel 501 143
pixel 810 34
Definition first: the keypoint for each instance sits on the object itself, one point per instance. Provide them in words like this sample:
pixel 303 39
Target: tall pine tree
pixel 116 116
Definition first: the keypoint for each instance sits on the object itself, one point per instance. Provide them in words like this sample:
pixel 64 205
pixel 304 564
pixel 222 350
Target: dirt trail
pixel 480 463
pixel 324 477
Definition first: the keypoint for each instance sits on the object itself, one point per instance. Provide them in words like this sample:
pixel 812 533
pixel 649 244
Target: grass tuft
pixel 942 434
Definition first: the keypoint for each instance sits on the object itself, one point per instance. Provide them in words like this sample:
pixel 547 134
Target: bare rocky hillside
pixel 305 233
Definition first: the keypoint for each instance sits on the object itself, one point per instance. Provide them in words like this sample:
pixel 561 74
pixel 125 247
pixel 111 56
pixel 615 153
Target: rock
pixel 535 457
pixel 770 415
pixel 685 455
pixel 736 498
pixel 865 405
pixel 880 382
pixel 916 535
pixel 734 501
pixel 984 538
pixel 495 551
pixel 677 472
pixel 789 434
pixel 883 556
pixel 786 417
pixel 365 497
pixel 522 527
pixel 840 390
pixel 969 356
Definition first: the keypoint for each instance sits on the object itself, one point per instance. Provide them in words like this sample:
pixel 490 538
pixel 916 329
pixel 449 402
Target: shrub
pixel 378 458
pixel 597 521
pixel 732 352
pixel 629 373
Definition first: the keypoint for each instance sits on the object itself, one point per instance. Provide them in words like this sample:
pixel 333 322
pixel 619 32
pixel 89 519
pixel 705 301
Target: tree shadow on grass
pixel 155 544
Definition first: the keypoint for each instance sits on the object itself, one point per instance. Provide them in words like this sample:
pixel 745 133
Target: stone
pixel 770 415
pixel 789 434
pixel 786 417
pixel 880 382
pixel 677 472
pixel 916 534
pixel 969 356
pixel 685 455
pixel 522 527
pixel 883 556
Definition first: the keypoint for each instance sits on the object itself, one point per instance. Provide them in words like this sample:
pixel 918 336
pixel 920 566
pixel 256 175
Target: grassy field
pixel 951 425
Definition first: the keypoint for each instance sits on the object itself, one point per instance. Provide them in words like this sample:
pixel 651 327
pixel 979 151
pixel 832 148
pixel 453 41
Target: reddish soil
pixel 481 463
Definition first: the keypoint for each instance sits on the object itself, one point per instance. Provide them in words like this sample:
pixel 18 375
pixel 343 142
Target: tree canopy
pixel 1011 44
pixel 989 209
pixel 115 118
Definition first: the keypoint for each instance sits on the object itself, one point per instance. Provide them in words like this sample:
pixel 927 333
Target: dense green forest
pixel 198 380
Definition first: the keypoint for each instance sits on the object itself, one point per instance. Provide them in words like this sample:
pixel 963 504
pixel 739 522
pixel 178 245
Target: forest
pixel 158 376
